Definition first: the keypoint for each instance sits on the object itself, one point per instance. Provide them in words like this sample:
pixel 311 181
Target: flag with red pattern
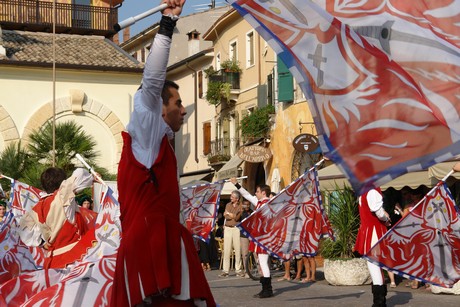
pixel 86 283
pixel 23 197
pixel 199 207
pixel 425 244
pixel 292 222
pixel 373 88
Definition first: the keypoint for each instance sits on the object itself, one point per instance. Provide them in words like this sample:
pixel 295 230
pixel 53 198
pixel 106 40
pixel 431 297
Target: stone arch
pixel 8 128
pixel 77 102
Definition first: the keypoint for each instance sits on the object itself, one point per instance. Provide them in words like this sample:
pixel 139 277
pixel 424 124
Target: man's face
pixel 259 194
pixel 174 112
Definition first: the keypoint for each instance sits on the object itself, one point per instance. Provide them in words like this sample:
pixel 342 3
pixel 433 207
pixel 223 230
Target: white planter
pixel 351 272
pixel 454 290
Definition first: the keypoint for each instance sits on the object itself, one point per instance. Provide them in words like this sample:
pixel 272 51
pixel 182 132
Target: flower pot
pixel 346 272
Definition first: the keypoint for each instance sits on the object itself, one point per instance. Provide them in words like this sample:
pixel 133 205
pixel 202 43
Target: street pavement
pixel 237 291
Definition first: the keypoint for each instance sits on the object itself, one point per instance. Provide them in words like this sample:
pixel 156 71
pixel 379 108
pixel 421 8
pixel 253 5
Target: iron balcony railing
pixel 34 15
pixel 224 148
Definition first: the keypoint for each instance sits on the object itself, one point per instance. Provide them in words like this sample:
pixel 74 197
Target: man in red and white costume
pixel 260 199
pixel 157 263
pixel 374 222
pixel 56 222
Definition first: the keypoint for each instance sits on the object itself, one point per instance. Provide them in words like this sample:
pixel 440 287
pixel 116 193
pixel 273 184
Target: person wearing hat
pixel 86 202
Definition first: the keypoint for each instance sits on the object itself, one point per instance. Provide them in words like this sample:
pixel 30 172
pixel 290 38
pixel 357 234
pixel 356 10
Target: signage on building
pixel 305 143
pixel 254 153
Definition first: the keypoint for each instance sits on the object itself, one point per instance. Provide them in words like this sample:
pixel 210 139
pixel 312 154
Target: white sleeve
pixel 146 126
pixel 248 196
pixel 374 200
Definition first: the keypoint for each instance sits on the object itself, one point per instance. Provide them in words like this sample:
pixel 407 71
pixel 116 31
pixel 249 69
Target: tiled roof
pixel 93 52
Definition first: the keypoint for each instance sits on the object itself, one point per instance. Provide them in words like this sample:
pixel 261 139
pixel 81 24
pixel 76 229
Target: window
pixel 250 56
pixel 232 51
pixel 285 83
pixel 218 61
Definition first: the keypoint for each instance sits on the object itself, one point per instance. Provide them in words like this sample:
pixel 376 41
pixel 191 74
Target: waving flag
pixel 292 222
pixel 23 197
pixel 199 207
pixel 15 257
pixel 87 283
pixel 370 110
pixel 424 245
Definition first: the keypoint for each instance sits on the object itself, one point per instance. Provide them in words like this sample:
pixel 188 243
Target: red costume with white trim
pixel 371 227
pixel 252 246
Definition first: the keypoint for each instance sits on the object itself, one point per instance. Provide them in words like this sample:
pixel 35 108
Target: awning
pixel 332 175
pixel 194 177
pixel 440 170
pixel 230 169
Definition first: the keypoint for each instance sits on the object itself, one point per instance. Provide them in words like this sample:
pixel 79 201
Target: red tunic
pixel 149 256
pixel 252 246
pixel 78 233
pixel 370 225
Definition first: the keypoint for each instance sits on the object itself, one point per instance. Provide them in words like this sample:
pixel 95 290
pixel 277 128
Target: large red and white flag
pixel 86 283
pixel 292 222
pixel 424 245
pixel 15 257
pixel 375 90
pixel 199 208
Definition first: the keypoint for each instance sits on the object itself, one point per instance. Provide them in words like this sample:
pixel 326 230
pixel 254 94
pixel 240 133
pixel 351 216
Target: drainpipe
pixel 195 102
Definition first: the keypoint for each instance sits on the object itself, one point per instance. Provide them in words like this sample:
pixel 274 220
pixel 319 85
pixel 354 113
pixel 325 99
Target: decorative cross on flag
pixel 199 207
pixel 372 96
pixel 292 222
pixel 23 197
pixel 424 245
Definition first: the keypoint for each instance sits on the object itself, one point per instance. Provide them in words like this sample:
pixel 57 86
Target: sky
pixel 132 8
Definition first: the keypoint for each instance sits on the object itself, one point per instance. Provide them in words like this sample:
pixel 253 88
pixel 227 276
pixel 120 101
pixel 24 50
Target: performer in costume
pixel 260 199
pixel 157 262
pixel 56 222
pixel 374 222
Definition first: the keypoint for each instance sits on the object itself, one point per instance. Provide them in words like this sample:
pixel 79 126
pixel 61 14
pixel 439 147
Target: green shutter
pixel 285 83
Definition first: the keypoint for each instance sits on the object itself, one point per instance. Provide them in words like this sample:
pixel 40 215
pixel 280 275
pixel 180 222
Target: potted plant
pixel 340 265
pixel 230 66
pixel 257 124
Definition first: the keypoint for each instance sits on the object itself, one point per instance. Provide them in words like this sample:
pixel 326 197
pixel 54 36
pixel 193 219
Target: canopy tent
pixel 331 176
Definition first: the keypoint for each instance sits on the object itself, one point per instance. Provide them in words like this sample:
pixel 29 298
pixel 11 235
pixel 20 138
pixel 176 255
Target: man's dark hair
pixel 165 93
pixel 265 188
pixel 52 178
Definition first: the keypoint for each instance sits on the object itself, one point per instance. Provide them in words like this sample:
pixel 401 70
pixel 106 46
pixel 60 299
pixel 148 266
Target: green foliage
pixel 230 66
pixel 257 124
pixel 27 164
pixel 344 218
pixel 218 158
pixel 217 91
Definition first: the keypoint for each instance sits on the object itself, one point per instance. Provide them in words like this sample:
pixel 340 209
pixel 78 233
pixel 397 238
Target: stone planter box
pixel 350 272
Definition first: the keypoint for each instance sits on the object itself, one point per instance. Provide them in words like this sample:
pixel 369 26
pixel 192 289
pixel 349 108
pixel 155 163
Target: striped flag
pixel 292 222
pixel 199 207
pixel 373 91
pixel 425 244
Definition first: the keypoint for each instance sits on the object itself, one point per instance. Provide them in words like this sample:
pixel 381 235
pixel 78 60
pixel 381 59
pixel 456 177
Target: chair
pixel 220 251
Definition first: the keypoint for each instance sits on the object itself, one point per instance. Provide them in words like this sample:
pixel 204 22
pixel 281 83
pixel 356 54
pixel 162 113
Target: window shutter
pixel 285 83
pixel 206 138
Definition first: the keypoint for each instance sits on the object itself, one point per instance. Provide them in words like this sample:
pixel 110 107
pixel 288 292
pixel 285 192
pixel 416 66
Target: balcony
pixel 233 78
pixel 223 149
pixel 37 16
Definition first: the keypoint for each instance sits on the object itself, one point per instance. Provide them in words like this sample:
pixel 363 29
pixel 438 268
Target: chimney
pixel 126 34
pixel 2 49
pixel 116 38
pixel 193 42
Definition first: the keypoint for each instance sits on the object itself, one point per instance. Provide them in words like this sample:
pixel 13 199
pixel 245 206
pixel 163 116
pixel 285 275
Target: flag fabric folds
pixel 86 283
pixel 373 90
pixel 23 197
pixel 199 207
pixel 292 222
pixel 424 245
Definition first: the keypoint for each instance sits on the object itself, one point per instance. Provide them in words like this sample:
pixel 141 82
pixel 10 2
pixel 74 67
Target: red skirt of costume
pixel 149 256
pixel 370 227
pixel 252 246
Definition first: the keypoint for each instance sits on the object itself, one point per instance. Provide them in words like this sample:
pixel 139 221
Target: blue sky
pixel 134 7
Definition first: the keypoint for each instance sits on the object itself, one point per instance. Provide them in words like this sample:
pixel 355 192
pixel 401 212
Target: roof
pixel 72 51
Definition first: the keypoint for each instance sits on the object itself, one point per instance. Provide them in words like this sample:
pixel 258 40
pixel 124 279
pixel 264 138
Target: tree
pixel 70 140
pixel 14 161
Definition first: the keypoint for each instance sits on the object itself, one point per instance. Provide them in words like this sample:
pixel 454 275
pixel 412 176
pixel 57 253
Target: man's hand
pixel 233 180
pixel 174 7
pixel 456 167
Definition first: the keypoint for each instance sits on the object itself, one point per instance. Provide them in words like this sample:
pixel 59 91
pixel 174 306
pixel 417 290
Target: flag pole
pixel 242 177
pixel 93 172
pixel 132 20
pixel 6 177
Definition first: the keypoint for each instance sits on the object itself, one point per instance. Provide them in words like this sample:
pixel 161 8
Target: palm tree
pixel 14 161
pixel 70 140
